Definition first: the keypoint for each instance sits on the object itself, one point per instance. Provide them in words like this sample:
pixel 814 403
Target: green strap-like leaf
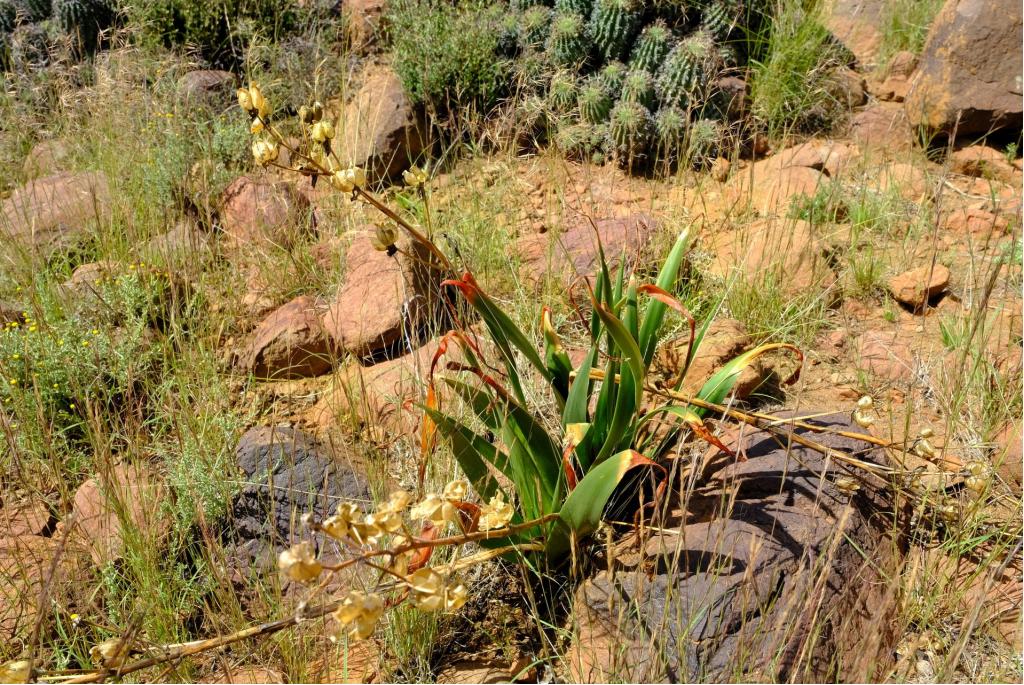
pixel 473 452
pixel 583 508
pixel 718 387
pixel 656 310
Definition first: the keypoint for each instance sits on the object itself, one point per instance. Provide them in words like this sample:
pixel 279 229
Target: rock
pixel 724 340
pixel 857 24
pixel 572 253
pixel 905 180
pixel 383 305
pixel 720 169
pixel 184 244
pixel 258 211
pixel 735 588
pixel 25 565
pixel 31 517
pixel 965 84
pixel 903 63
pixel 46 157
pixel 784 250
pixel 1007 454
pixel 286 474
pixel 981 161
pixel 974 222
pixel 127 495
pixel 363 19
pixel 848 87
pixel 383 130
pixel 734 95
pixel 474 671
pixel 771 186
pixel 212 87
pixel 374 398
pixel 892 89
pixel 87 279
pixel 290 343
pixel 887 356
pixel 828 157
pixel 917 287
pixel 53 212
pixel 883 125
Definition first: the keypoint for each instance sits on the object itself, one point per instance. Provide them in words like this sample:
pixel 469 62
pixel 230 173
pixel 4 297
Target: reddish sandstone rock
pixel 966 82
pixel 26 562
pixel 363 22
pixel 885 355
pixel 983 162
pixel 53 212
pixel 1007 455
pixel 46 157
pixel 771 186
pixel 883 125
pixel 724 340
pixel 31 517
pixel 975 222
pixel 128 495
pixel 290 343
pixel 916 287
pixel 256 211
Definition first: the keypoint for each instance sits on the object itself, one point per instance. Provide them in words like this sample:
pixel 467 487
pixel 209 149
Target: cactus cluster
pixel 643 73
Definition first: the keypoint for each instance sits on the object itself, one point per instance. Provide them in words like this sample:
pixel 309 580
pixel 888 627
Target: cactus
pixel 670 124
pixel 612 76
pixel 729 55
pixel 83 20
pixel 535 26
pixel 612 26
pixel 562 92
pixel 594 101
pixel 638 86
pixel 578 140
pixel 684 76
pixel 568 42
pixel 581 7
pixel 531 70
pixel 33 10
pixel 704 142
pixel 719 19
pixel 523 5
pixel 508 35
pixel 30 47
pixel 532 115
pixel 651 47
pixel 630 130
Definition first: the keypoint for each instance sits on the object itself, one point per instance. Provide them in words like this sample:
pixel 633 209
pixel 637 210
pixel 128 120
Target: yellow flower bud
pixel 259 103
pixel 264 152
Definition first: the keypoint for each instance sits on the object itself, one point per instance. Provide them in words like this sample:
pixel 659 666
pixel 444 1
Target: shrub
pixel 448 53
pixel 219 29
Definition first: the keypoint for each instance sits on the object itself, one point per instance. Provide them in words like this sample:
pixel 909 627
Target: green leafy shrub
pixel 448 54
pixel 219 29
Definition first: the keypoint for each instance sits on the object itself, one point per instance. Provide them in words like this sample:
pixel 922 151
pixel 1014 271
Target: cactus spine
pixel 33 10
pixel 651 47
pixel 581 7
pixel 670 130
pixel 536 23
pixel 612 76
pixel 612 26
pixel 568 42
pixel 594 101
pixel 562 92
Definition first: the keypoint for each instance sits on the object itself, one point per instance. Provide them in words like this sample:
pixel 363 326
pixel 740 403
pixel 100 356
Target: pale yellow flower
pixel 110 653
pixel 384 238
pixel 264 151
pixel 496 513
pixel 259 103
pixel 359 612
pixel 321 131
pixel 19 671
pixel 340 180
pixel 441 509
pixel 256 126
pixel 456 490
pixel 431 593
pixel 299 563
pixel 339 526
pixel 414 176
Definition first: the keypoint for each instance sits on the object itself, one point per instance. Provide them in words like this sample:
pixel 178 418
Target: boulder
pixel 373 399
pixel 128 496
pixel 383 130
pixel 848 87
pixel 186 243
pixel 46 157
pixel 290 343
pixel 883 125
pixel 1007 454
pixel 903 63
pixel 919 286
pixel 886 356
pixel 787 251
pixel 363 22
pixel 735 584
pixel 969 77
pixel 904 179
pixel 286 474
pixel 30 517
pixel 771 186
pixel 26 562
pixel 857 24
pixel 383 306
pixel 724 340
pixel 53 212
pixel 572 254
pixel 828 157
pixel 213 87
pixel 982 161
pixel 257 211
